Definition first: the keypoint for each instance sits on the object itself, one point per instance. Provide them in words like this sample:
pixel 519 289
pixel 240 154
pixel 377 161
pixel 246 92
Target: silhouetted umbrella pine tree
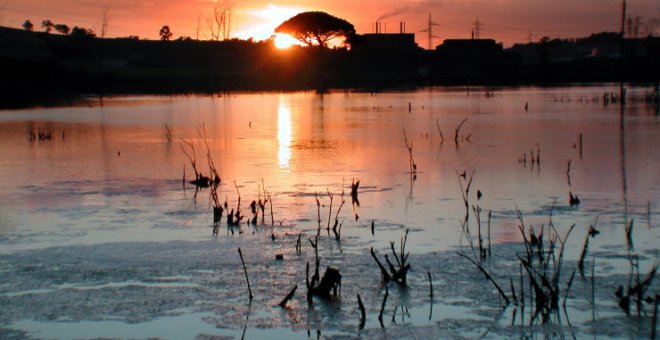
pixel 316 28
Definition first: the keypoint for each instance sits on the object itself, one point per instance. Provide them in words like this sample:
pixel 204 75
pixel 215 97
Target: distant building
pixel 390 41
pixel 466 50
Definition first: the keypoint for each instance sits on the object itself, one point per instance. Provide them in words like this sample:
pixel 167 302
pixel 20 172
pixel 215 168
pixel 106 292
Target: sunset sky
pixel 507 21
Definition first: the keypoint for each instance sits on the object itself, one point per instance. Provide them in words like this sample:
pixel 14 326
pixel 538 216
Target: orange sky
pixel 508 21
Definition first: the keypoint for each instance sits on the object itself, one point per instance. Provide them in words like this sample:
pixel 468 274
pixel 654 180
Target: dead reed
pixel 327 287
pixel 590 234
pixel 458 129
pixel 246 275
pixel 363 316
pixel 382 307
pixel 430 285
pixel 288 297
pixel 442 137
pixel 397 273
pixel 411 159
pixel 543 262
pixel 335 230
pixel 487 275
pixel 355 185
pixel 168 134
pixel 637 288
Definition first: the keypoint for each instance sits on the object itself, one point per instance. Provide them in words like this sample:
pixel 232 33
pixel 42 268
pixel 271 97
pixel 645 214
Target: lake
pixel 100 236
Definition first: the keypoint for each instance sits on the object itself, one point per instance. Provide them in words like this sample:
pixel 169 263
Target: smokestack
pixel 401 27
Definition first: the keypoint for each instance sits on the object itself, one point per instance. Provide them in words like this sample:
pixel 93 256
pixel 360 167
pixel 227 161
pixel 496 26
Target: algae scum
pixel 100 239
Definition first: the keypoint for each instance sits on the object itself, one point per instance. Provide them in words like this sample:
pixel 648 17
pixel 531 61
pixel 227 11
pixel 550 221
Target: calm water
pixel 109 184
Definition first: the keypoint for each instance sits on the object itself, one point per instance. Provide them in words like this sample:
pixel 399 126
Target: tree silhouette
pixel 165 33
pixel 104 21
pixel 80 32
pixel 47 25
pixel 220 22
pixel 28 26
pixel 316 28
pixel 62 28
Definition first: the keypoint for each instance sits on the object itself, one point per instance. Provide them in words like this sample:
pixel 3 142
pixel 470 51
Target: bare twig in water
pixel 354 192
pixel 246 275
pixel 318 210
pixel 490 213
pixel 328 286
pixel 299 244
pixel 329 211
pixel 430 285
pixel 168 134
pixel 458 129
pixel 590 234
pixel 543 265
pixel 383 271
pixel 335 230
pixel 573 200
pixel 568 287
pixel 411 160
pixel 200 180
pixel 580 145
pixel 397 273
pixel 382 307
pixel 654 320
pixel 363 314
pixel 442 137
pixel 513 292
pixel 288 297
pixel 487 275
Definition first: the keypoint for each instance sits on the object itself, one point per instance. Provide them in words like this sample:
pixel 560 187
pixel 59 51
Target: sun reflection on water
pixel 284 133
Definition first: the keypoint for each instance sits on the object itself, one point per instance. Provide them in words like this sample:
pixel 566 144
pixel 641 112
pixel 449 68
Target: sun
pixel 262 22
pixel 283 41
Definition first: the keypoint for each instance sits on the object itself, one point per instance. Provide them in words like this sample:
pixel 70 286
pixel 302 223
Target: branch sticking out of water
pixel 399 272
pixel 382 307
pixel 299 244
pixel 318 210
pixel 488 277
pixel 354 192
pixel 330 211
pixel 592 233
pixel 246 275
pixel 363 314
pixel 411 160
pixel 430 285
pixel 168 134
pixel 288 297
pixel 335 230
pixel 458 129
pixel 654 320
pixel 442 137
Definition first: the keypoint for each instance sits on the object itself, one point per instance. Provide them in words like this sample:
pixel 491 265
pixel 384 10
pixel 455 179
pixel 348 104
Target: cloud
pixel 413 8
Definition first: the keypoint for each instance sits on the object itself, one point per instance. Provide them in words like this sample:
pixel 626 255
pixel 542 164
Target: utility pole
pixel 429 31
pixel 623 18
pixel 530 36
pixel 476 32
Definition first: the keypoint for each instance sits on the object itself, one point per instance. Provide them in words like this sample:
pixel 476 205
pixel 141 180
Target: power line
pixel 429 30
pixel 477 29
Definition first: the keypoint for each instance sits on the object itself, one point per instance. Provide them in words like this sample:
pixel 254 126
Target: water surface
pixel 108 184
